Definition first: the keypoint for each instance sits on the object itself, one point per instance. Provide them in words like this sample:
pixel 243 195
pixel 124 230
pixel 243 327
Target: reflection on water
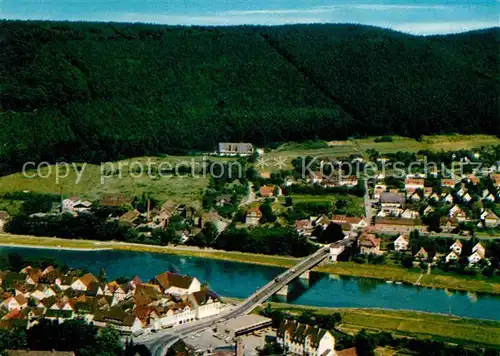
pixel 240 280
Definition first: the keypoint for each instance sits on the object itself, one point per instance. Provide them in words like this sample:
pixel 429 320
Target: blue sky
pixel 417 16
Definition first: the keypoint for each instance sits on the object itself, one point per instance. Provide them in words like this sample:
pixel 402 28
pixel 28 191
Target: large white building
pixel 301 339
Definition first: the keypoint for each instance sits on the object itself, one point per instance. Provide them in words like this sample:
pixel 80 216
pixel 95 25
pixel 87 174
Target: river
pixel 239 280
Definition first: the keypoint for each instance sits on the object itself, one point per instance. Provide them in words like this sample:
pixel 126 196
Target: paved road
pixel 158 343
pixel 368 204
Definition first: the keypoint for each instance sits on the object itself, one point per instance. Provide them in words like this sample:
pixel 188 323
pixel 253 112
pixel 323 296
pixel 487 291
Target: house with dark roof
pixel 126 323
pixel 302 339
pixel 392 199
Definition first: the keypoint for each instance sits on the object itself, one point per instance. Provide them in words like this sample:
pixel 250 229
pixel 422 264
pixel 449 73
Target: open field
pixel 410 323
pixel 287 152
pixel 94 181
pixel 382 272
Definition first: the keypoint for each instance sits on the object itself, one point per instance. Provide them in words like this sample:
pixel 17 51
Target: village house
pixel 490 219
pixel 205 303
pixel 76 204
pixel 478 254
pixel 451 257
pixel 304 227
pixel 398 225
pixel 450 183
pixel 130 218
pixel 415 197
pixel 447 198
pixel 448 224
pixel 268 191
pixel 18 302
pixel 401 243
pixel 253 216
pixel 301 339
pixel 427 192
pixel 414 183
pixel 124 322
pixel 457 247
pixel 496 179
pixel 115 201
pixel 392 200
pixel 422 254
pixel 369 244
pixel 354 223
pixel 3 219
pixel 235 149
pixel 177 284
pixel 82 283
pixel 410 214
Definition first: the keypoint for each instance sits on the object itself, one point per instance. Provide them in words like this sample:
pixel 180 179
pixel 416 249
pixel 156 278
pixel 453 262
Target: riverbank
pixel 410 323
pixel 381 272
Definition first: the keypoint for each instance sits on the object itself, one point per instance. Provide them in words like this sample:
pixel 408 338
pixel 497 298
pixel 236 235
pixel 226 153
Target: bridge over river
pixel 159 343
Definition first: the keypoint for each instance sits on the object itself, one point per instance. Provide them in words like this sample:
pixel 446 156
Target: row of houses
pixel 132 307
pixel 349 225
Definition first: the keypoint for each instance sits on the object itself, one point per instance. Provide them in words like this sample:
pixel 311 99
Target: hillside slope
pixel 88 91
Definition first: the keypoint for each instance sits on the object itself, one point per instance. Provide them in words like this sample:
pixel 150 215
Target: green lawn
pixel 415 324
pixel 288 151
pixel 180 189
pixel 355 205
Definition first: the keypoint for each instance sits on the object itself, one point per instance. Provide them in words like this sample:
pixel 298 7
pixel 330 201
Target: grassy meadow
pixel 288 151
pixel 123 177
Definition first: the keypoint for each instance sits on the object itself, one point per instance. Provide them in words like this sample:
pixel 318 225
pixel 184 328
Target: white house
pixel 457 247
pixel 480 248
pixel 401 243
pixel 476 256
pixel 410 214
pixel 206 304
pixel 299 339
pixel 452 256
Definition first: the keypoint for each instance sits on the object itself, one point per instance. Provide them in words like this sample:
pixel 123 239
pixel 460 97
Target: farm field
pixel 89 182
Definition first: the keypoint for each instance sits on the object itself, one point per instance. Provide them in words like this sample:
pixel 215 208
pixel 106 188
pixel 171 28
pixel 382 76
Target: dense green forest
pixel 97 91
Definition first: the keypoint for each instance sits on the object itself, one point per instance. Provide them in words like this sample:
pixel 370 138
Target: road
pixel 368 203
pixel 159 343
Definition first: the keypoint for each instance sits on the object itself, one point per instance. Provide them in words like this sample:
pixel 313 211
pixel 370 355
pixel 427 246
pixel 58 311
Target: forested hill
pixel 95 91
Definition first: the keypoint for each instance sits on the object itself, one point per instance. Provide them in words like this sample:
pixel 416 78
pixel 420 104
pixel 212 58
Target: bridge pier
pixel 305 275
pixel 283 291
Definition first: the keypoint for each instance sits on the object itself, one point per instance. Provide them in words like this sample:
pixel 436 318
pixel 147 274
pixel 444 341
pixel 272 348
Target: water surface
pixel 240 280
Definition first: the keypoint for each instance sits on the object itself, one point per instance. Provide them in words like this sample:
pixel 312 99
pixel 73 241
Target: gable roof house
pixel 206 303
pixel 457 247
pixel 414 183
pixel 369 244
pixel 84 282
pixel 253 216
pixel 422 254
pixel 177 284
pixel 452 256
pixel 401 243
pixel 302 339
pixel 476 256
pixel 448 183
pixel 18 302
pixel 304 227
pixel 490 219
